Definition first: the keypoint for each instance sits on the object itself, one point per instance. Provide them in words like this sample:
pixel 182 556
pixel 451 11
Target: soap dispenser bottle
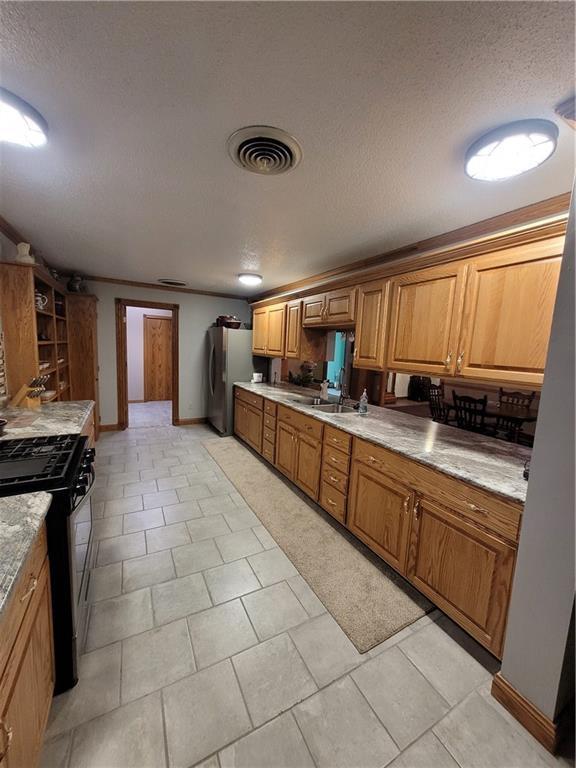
pixel 363 405
pixel 324 390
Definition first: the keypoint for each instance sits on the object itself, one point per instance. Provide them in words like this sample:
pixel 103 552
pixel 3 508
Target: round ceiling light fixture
pixel 265 150
pixel 250 278
pixel 511 150
pixel 20 123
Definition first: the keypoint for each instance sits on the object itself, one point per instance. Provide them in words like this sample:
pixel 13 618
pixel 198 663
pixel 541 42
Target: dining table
pixel 519 414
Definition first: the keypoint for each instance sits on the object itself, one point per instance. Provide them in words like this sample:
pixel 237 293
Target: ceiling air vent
pixel 173 283
pixel 265 150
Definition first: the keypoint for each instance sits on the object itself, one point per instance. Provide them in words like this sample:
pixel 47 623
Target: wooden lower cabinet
pixel 248 424
pixel 462 568
pixel 379 513
pixel 286 445
pixel 308 462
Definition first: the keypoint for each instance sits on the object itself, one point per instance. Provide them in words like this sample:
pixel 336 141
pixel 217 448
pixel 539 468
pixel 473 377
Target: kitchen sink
pixel 307 401
pixel 334 408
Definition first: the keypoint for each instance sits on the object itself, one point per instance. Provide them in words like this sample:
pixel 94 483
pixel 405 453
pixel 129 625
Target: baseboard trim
pixel 109 427
pixel 536 722
pixel 188 422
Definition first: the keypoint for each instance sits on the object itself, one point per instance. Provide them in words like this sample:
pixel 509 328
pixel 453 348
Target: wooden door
pixel 28 704
pixel 340 307
pixel 253 434
pixel 508 311
pixel 293 329
pixel 276 330
pixel 308 463
pixel 286 437
pixel 464 569
pixel 240 418
pixel 369 347
pixel 157 358
pixel 379 513
pixel 259 330
pixel 313 310
pixel 425 319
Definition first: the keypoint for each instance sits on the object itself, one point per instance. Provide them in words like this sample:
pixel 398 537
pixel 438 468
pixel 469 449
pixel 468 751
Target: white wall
pixel 135 347
pixel 197 314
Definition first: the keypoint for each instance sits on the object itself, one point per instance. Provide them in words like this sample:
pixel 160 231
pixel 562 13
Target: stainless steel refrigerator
pixel 229 360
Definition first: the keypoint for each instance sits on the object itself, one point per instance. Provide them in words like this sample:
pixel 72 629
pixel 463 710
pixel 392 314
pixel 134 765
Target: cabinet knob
pixel 476 508
pixel 448 361
pixel 332 503
pixel 417 510
pixel 334 479
pixel 31 588
pixel 459 361
pixel 405 504
pixel 7 734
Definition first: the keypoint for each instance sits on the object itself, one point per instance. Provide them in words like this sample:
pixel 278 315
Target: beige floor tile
pixel 278 743
pixel 312 604
pixel 105 582
pixel 274 610
pixel 128 737
pixel 220 632
pixel 240 518
pixel 119 617
pixel 204 712
pixel 239 544
pixel 140 488
pixel 121 548
pixel 97 691
pixel 172 482
pixel 273 678
pixel 207 527
pixel 195 557
pixel 159 499
pixel 122 506
pixel 155 659
pixel 140 521
pixel 148 570
pixel 231 580
pixel 400 695
pixel 390 642
pixel 107 527
pixel 427 752
pixel 195 490
pixel 327 651
pixel 179 597
pixel 217 505
pixel 272 566
pixel 55 752
pixel 184 510
pixel 264 537
pixel 123 478
pixel 167 537
pixel 342 731
pixel 108 493
pixel 221 487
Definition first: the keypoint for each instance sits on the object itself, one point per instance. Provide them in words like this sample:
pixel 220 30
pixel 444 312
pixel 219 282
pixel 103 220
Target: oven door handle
pixel 78 499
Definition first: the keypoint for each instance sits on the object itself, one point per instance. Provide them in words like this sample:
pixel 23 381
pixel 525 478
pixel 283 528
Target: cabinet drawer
pixel 270 435
pixel 335 458
pixel 268 449
pixel 22 596
pixel 333 501
pixel 337 439
pixel 270 408
pixel 305 424
pixel 334 478
pixel 250 398
pixel 269 421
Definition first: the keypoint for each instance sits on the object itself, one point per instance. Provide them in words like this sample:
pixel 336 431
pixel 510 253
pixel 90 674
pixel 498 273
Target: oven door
pixel 82 557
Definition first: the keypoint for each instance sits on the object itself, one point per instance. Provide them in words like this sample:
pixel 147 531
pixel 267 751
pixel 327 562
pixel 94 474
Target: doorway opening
pixel 147 358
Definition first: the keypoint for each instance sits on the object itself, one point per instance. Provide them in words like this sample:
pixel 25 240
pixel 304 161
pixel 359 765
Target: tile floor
pixel 157 413
pixel 205 646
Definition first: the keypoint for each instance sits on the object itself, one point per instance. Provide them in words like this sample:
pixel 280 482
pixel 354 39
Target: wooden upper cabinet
pixel 425 319
pixel 464 569
pixel 260 330
pixel 508 311
pixel 372 317
pixel 334 308
pixel 293 328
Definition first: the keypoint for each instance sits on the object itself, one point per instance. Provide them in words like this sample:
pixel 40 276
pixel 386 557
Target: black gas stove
pixel 63 466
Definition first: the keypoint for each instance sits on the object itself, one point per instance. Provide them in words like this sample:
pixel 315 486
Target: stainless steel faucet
pixel 343 392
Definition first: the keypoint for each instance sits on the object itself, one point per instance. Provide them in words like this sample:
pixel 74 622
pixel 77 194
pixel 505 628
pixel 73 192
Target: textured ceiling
pixel 384 98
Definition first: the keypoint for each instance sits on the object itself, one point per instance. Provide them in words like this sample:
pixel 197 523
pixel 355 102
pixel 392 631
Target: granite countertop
pixel 66 418
pixel 493 465
pixel 20 520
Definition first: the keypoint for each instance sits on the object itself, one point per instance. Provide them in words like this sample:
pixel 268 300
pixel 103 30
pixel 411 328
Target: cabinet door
pixel 313 310
pixel 260 330
pixel 308 462
pixel 369 347
pixel 379 513
pixel 253 434
pixel 465 570
pixel 29 702
pixel 340 307
pixel 425 319
pixel 286 437
pixel 508 313
pixel 276 330
pixel 240 416
pixel 293 329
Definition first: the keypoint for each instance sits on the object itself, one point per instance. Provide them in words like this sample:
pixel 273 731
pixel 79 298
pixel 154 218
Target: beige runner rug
pixel 369 600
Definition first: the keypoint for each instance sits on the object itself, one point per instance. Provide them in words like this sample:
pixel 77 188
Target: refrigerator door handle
pixel 211 369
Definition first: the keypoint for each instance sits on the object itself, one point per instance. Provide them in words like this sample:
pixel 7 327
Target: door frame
pixel 145 355
pixel 122 356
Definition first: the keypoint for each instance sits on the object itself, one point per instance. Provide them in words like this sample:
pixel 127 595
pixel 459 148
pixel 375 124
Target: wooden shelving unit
pixel 52 335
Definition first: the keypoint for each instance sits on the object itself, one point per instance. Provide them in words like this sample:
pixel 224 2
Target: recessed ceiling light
pixel 249 278
pixel 511 150
pixel 19 122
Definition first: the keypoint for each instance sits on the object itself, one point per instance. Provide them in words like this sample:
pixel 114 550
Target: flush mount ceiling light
pixel 511 150
pixel 19 122
pixel 249 278
pixel 265 150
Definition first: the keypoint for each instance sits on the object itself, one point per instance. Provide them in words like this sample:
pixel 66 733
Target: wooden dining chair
pixel 471 413
pixel 511 428
pixel 438 408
